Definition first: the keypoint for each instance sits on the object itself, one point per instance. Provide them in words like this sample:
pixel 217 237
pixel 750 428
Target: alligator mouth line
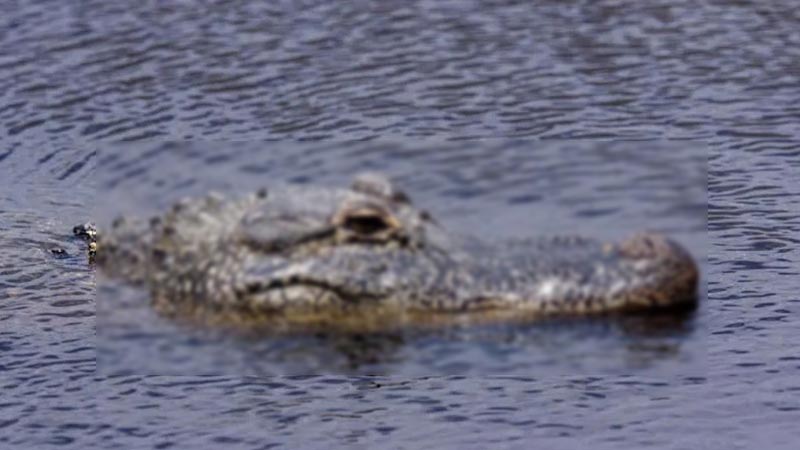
pixel 343 295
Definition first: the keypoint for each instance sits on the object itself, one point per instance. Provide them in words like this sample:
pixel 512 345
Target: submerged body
pixel 318 250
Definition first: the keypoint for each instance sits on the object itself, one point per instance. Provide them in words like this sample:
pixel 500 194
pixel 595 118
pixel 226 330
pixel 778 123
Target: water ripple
pixel 721 76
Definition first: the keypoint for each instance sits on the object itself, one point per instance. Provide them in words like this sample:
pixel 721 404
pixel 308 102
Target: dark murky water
pixel 723 76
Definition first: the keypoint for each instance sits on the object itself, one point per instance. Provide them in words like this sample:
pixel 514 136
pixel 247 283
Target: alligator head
pixel 312 249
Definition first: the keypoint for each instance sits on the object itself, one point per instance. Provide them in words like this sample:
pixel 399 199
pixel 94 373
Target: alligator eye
pixel 367 224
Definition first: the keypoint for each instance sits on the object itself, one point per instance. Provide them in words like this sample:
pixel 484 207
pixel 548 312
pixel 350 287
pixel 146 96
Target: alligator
pixel 299 249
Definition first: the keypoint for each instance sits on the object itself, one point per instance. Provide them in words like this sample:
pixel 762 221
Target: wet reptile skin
pixel 316 249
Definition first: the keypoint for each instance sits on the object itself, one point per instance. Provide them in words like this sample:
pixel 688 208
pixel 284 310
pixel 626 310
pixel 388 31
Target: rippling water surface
pixel 721 78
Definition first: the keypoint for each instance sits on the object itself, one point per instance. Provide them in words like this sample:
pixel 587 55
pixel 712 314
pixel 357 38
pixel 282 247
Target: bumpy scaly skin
pixel 304 249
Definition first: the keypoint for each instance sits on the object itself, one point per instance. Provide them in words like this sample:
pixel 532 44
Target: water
pixel 722 77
